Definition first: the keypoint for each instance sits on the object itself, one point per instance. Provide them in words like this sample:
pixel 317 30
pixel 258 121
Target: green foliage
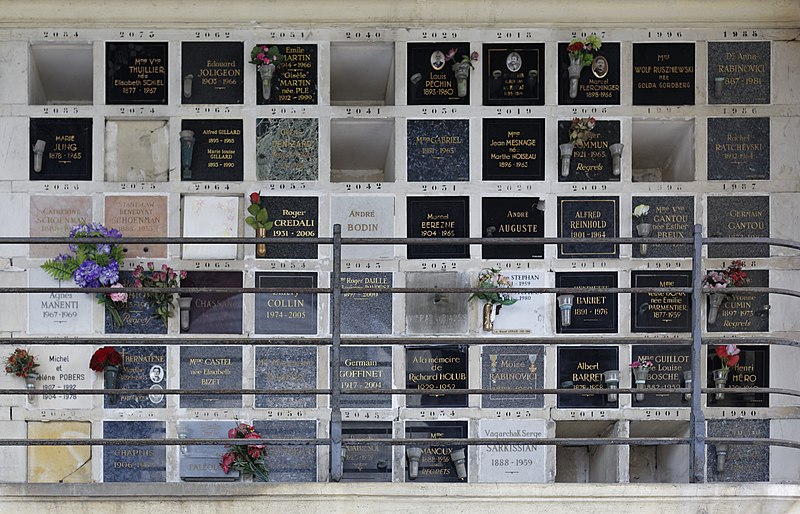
pixel 61 270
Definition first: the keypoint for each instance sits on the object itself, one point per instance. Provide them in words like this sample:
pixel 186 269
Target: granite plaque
pixel 213 313
pixel 136 73
pixel 436 367
pixel 437 313
pixel 751 371
pixel 669 363
pixel 668 217
pixel 438 150
pixel 367 313
pixel 139 315
pixel 212 72
pixel 134 463
pixel 512 217
pixel 431 77
pixel 210 368
pixel 442 217
pixel 54 312
pixel 294 81
pixel 512 463
pixel 738 216
pixel 592 312
pixel 286 312
pixel 286 367
pixel 289 463
pixel 287 149
pixel 364 216
pixel 528 314
pixel 745 312
pixel 200 462
pixel 744 462
pixel 513 149
pixel 366 367
pixel 210 216
pixel 512 367
pixel 295 217
pixel 591 162
pixel 139 216
pixel 367 462
pixel 217 153
pixel 60 149
pixel 583 368
pixel 661 312
pixel 435 464
pixel 598 83
pixel 61 368
pixel 588 217
pixel 738 149
pixel 145 368
pixel 663 74
pixel 513 74
pixel 53 216
pixel 739 73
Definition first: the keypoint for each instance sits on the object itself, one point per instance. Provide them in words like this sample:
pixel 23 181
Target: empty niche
pixel 60 74
pixel 137 151
pixel 585 464
pixel 659 463
pixel 362 150
pixel 663 151
pixel 362 74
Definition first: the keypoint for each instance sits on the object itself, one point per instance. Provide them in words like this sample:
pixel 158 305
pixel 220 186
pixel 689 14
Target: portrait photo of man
pixel 599 66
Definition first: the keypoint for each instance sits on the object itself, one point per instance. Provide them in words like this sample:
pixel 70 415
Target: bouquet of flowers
pixel 263 54
pixel 580 50
pixel 105 356
pixel 637 364
pixel 465 59
pixel 245 458
pixel 729 355
pixel 730 276
pixel 580 129
pixel 259 216
pixel 21 363
pixel 166 278
pixel 492 278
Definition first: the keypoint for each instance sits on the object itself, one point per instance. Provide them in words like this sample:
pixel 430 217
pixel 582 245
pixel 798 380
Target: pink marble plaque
pixel 139 216
pixel 53 216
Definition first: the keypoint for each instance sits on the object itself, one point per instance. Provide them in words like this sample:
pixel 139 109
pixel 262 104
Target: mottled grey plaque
pixel 370 312
pixel 134 463
pixel 738 216
pixel 744 462
pixel 200 462
pixel 438 150
pixel 291 463
pixel 286 367
pixel 437 313
pixel 668 217
pixel 512 367
pixel 738 149
pixel 211 368
pixel 287 149
pixel 288 312
pixel 739 72
pixel 745 311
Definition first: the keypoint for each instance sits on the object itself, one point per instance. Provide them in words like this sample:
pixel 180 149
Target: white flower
pixel 641 210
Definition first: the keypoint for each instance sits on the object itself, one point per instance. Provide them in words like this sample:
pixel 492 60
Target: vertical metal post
pixel 336 334
pixel 697 423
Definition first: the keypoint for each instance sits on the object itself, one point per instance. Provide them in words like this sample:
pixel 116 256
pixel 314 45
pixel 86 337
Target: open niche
pixel 663 150
pixel 362 73
pixel 60 74
pixel 362 150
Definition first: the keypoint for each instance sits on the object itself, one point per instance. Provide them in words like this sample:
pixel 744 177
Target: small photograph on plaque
pixel 212 72
pixel 286 311
pixel 438 218
pixel 367 462
pixel 211 368
pixel 60 149
pixel 518 217
pixel 594 217
pixel 514 74
pixel 751 369
pixel 661 312
pixel 436 463
pixel 583 368
pixel 134 463
pixel 438 150
pixel 595 157
pixel 436 75
pixel 136 73
pixel 145 368
pixel 436 367
pixel 216 152
pixel 287 149
pixel 207 312
pixel 294 217
pixel 663 74
pixel 672 367
pixel 591 312
pixel 512 367
pixel 513 149
pixel 739 73
pixel 738 216
pixel 666 217
pixel 738 149
pixel 596 83
pixel 293 81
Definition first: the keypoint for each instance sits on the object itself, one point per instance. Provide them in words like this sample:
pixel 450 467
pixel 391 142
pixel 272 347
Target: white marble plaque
pixel 55 312
pixel 61 368
pixel 210 216
pixel 527 316
pixel 364 216
pixel 512 463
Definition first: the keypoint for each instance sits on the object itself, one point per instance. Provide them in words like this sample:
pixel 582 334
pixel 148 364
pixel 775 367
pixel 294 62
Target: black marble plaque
pixel 435 464
pixel 369 312
pixel 591 312
pixel 513 149
pixel 661 312
pixel 669 363
pixel 367 462
pixel 212 72
pixel 139 315
pixel 739 72
pixel 134 463
pixel 438 150
pixel 663 74
pixel 591 162
pixel 669 217
pixel 286 312
pixel 290 463
pixel 214 313
pixel 286 367
pixel 588 217
pixel 211 368
pixel 366 367
pixel 67 152
pixel 744 462
pixel 599 83
pixel 431 78
pixel 295 79
pixel 738 149
pixel 136 73
pixel 514 74
pixel 143 367
pixel 440 218
pixel 512 217
pixel 436 367
pixel 738 216
pixel 295 217
pixel 512 367
pixel 751 371
pixel 583 368
pixel 745 312
pixel 217 153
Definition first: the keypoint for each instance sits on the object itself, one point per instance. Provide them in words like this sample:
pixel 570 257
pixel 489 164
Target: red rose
pixel 255 451
pixel 227 461
pixel 721 352
pixel 733 360
pixel 255 198
pixel 577 46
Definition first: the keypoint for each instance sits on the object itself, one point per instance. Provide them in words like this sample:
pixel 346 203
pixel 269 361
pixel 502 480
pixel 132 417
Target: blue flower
pixel 87 274
pixel 109 274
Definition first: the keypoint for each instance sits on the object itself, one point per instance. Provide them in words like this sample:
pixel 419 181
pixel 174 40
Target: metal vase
pixel 187 147
pixel 261 248
pixel 574 71
pixel 461 71
pixel 185 306
pixel 640 377
pixel 715 302
pixel 611 378
pixel 720 379
pixel 266 71
pixel 566 156
pixel 687 380
pixel 111 377
pixel 616 158
pixel 30 383
pixel 643 229
pixel 488 316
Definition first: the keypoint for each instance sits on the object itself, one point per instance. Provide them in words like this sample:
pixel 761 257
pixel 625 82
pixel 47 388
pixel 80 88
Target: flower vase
pixel 187 147
pixel 461 71
pixel 715 302
pixel 574 71
pixel 616 158
pixel 643 229
pixel 111 376
pixel 266 71
pixel 30 383
pixel 720 379
pixel 261 248
pixel 640 377
pixel 488 316
pixel 566 156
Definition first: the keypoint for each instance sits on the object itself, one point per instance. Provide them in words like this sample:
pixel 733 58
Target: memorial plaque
pixel 435 464
pixel 751 371
pixel 431 77
pixel 661 312
pixel 287 149
pixel 592 312
pixel 286 312
pixel 55 312
pixel 512 367
pixel 295 79
pixel 366 367
pixel 61 368
pixel 53 216
pixel 438 150
pixel 137 151
pixel 512 463
pixel 212 72
pixel 669 217
pixel 738 216
pixel 138 315
pixel 217 153
pixel 210 216
pixel 60 149
pixel 366 313
pixel 436 367
pixel 213 313
pixel 290 463
pixel 591 162
pixel 663 74
pixel 286 367
pixel 598 84
pixel 437 313
pixel 296 217
pixel 145 368
pixel 210 368
pixel 745 311
pixel 738 149
pixel 364 216
pixel 588 217
pixel 513 74
pixel 512 217
pixel 139 216
pixel 134 463
pixel 136 73
pixel 200 462
pixel 669 363
pixel 744 462
pixel 739 73
pixel 513 149
pixel 442 217
pixel 528 314
pixel 583 368
pixel 367 462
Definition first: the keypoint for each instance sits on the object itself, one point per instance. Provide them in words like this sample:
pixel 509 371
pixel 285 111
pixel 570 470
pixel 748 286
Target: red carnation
pixel 577 46
pixel 255 198
pixel 105 356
